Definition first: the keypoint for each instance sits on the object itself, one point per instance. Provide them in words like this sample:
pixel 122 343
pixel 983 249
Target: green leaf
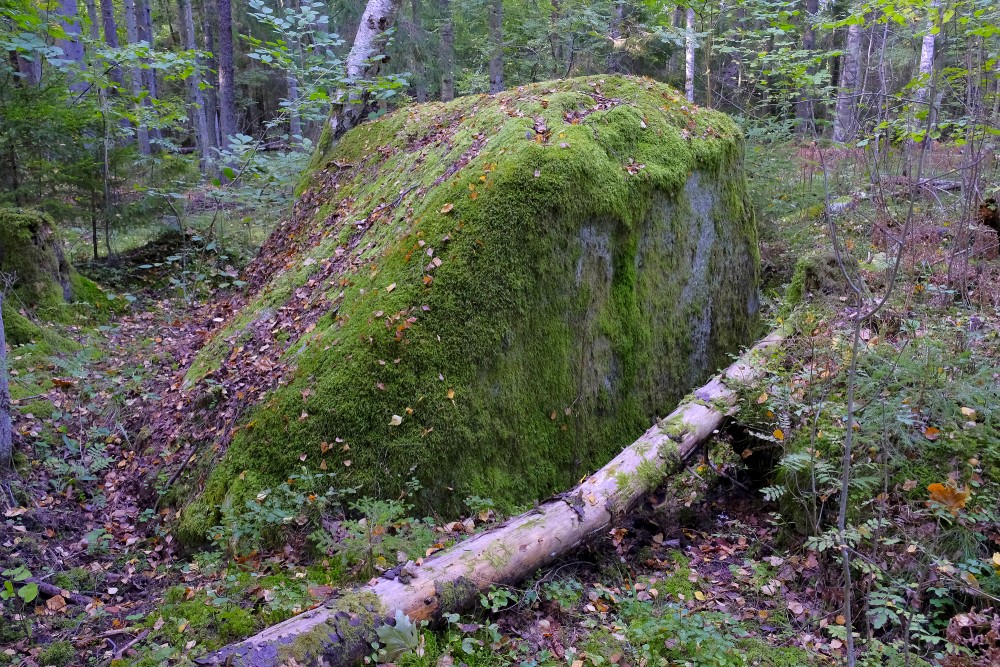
pixel 28 592
pixel 400 638
pixel 228 173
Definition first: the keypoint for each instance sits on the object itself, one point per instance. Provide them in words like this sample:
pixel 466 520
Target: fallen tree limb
pixel 340 633
pixel 51 590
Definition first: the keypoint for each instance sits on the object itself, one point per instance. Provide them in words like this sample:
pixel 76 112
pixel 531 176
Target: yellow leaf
pixel 996 559
pixel 390 287
pixel 951 497
pixel 841 619
pixel 447 207
pixel 451 394
pixel 779 434
pixel 322 464
pixel 762 398
pixel 969 412
pixel 698 595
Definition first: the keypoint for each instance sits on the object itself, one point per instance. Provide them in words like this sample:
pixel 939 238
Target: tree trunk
pixel 447 52
pixel 804 106
pixel 616 57
pixel 135 78
pixel 6 432
pixel 689 56
pixel 416 34
pixel 94 19
pixel 362 63
pixel 845 125
pixel 496 46
pixel 212 98
pixel 338 633
pixel 227 82
pixel 923 102
pixel 111 35
pixel 555 39
pixel 196 96
pixel 72 46
pixel 145 17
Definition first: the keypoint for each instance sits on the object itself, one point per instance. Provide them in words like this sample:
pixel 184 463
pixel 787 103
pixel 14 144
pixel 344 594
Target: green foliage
pixel 671 632
pixel 297 505
pixel 57 654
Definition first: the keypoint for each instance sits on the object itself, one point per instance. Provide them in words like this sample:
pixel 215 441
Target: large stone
pixel 493 295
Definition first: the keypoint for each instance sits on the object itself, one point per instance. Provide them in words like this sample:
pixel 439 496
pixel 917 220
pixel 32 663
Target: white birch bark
pixel 135 79
pixel 689 49
pixel 845 124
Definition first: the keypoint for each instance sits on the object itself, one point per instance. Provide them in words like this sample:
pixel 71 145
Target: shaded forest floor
pixel 730 563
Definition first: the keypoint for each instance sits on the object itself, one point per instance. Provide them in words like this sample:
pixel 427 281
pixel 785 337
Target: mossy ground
pixel 590 258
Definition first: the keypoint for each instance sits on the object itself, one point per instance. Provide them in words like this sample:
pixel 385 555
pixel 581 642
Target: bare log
pixel 340 632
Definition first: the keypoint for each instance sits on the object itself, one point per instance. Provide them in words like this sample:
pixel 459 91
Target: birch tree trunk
pixel 363 62
pixel 227 82
pixel 689 47
pixel 196 96
pixel 6 432
pixel 338 633
pixel 447 53
pixel 496 46
pixel 923 103
pixel 135 78
pixel 72 46
pixel 845 124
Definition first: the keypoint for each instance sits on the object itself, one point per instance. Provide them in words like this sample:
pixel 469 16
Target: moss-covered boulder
pixel 46 287
pixel 493 295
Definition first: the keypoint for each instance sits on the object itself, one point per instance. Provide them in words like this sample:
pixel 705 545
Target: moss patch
pixel 515 285
pixel 46 287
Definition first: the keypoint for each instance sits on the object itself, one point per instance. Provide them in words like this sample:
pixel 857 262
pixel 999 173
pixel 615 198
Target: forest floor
pixel 729 563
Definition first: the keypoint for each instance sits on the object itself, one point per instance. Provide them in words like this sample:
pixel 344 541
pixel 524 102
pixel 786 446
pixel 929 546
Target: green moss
pixel 455 595
pixel 588 278
pixel 761 654
pixel 44 281
pixel 817 274
pixel 678 584
pixel 57 653
pixel 352 617
pixel 198 619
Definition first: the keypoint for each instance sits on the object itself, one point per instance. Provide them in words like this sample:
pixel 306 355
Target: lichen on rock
pixel 493 295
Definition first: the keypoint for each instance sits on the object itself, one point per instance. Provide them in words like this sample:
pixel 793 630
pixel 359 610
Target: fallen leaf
pixel 396 420
pixel 931 433
pixel 779 434
pixel 447 207
pixel 55 603
pixel 951 497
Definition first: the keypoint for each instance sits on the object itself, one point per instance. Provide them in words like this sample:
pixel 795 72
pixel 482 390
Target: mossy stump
pixel 493 295
pixel 45 285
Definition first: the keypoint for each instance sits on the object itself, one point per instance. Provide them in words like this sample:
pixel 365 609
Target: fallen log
pixel 340 632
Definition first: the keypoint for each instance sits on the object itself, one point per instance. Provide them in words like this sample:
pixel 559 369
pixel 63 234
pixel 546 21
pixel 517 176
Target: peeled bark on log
pixel 340 632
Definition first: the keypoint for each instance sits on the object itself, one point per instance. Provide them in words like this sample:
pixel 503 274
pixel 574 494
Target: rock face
pixel 492 295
